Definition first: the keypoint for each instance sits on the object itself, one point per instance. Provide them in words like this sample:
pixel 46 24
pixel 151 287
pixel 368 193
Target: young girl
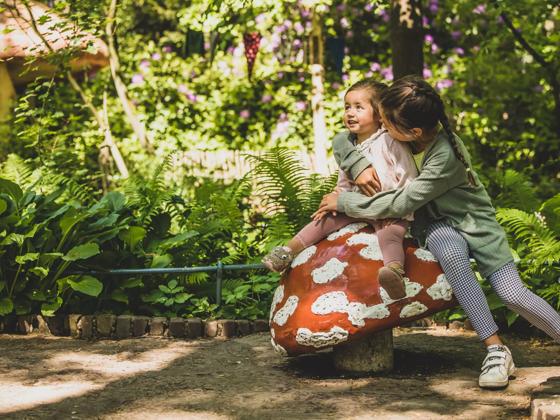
pixel 453 216
pixel 395 169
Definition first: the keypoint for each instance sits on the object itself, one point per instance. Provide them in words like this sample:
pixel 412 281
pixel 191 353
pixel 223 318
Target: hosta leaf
pixel 49 308
pixel 119 295
pixel 31 256
pixel 133 236
pixel 6 306
pixel 87 285
pixel 82 252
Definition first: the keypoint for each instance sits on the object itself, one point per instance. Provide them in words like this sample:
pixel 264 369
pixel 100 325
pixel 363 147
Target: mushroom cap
pixel 331 294
pixel 22 42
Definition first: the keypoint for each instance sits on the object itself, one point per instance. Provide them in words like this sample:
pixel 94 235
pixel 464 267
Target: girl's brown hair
pixel 411 102
pixel 375 90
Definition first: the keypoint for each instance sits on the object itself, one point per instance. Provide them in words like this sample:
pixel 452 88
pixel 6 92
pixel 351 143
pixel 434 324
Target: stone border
pixel 545 400
pixel 129 326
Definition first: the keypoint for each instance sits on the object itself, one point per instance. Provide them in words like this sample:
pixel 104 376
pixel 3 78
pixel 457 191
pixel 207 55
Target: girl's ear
pixel 417 132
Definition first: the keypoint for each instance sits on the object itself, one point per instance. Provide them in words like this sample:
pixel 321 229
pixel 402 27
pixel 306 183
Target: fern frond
pixel 541 241
pixel 72 188
pixel 517 191
pixel 20 171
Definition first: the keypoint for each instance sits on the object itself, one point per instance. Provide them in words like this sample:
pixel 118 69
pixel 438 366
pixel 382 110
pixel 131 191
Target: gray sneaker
pixel 497 367
pixel 278 259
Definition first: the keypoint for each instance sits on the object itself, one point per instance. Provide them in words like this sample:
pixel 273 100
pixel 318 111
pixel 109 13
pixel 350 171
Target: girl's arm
pixel 347 157
pixel 344 183
pixel 440 173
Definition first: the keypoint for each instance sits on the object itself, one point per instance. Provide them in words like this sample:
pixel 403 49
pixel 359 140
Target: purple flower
pixel 350 34
pixel 444 84
pixel 368 7
pixel 192 97
pixel 480 9
pixel 427 73
pixel 369 74
pixel 336 85
pixel 429 39
pixel 301 78
pixel 298 27
pixel 341 7
pixel 280 74
pixel 476 48
pixel 230 49
pixel 500 19
pixel 297 44
pixel 434 48
pixel 459 51
pixel 385 16
pixel 304 13
pixel 137 79
pixel 167 49
pixel 375 67
pixel 144 64
pixel 346 50
pixel 456 35
pixel 156 56
pixel 387 73
pixel 182 89
pixel 345 77
pixel 433 7
pixel 283 117
pixel 344 23
pixel 288 23
pixel 266 98
pixel 301 106
pixel 308 25
pixel 425 21
pixel 245 114
pixel 206 45
pixel 260 18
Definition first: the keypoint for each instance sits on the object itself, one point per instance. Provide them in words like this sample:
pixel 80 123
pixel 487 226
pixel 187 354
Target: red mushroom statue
pixel 331 295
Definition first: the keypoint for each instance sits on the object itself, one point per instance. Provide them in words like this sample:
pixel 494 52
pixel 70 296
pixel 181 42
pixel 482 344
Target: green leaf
pixel 41 272
pixel 455 316
pixel 169 302
pixel 6 306
pixel 31 256
pixel 164 288
pixel 133 236
pixel 183 297
pixel 131 283
pixel 11 188
pixel 172 284
pixel 82 252
pixel 152 297
pixel 37 295
pixel 511 317
pixel 87 285
pixel 3 205
pixel 2 285
pixel 69 220
pixel 161 261
pixel 119 295
pixel 49 308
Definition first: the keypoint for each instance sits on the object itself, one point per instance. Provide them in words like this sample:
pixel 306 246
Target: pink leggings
pixel 390 237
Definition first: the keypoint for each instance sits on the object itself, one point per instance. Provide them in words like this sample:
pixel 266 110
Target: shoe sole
pixel 496 384
pixel 393 285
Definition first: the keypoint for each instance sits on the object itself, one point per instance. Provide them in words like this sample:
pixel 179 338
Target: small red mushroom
pixel 331 294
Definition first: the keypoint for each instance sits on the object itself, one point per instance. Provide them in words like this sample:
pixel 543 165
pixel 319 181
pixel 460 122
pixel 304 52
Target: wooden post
pixel 369 355
pixel 316 47
pixel 7 93
pixel 406 38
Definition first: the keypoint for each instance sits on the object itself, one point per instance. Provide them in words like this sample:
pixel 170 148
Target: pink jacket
pixel 391 160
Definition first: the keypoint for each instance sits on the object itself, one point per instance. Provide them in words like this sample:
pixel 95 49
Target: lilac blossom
pixel 459 51
pixel 387 73
pixel 385 16
pixel 298 27
pixel 345 77
pixel 156 56
pixel 192 97
pixel 182 89
pixel 137 79
pixel 304 13
pixel 480 9
pixel 350 34
pixel 425 21
pixel 434 6
pixel 260 18
pixel 144 64
pixel 301 106
pixel 245 114
pixel 344 23
pixel 427 73
pixel 368 7
pixel 336 85
pixel 434 48
pixel 297 44
pixel 375 66
pixel 266 98
pixel 369 74
pixel 167 49
pixel 341 7
pixel 444 84
pixel 429 39
pixel 456 35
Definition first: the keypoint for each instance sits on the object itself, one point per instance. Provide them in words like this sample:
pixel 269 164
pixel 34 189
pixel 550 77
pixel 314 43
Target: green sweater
pixel 441 192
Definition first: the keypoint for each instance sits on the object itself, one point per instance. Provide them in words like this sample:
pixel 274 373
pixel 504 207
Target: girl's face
pixel 359 117
pixel 398 133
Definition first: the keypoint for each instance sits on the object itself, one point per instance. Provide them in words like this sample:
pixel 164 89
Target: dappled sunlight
pixel 119 365
pixel 16 396
pixel 59 372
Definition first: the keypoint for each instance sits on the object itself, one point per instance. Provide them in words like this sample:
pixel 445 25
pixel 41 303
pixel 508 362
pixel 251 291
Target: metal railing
pixel 219 268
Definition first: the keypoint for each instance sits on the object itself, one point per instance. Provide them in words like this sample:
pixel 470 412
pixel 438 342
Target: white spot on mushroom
pixel 281 317
pixel 351 228
pixel 320 339
pixel 273 333
pixel 412 289
pixel 331 270
pixel 304 256
pixel 357 312
pixel 372 251
pixel 424 255
pixel 276 299
pixel 441 289
pixel 413 309
pixel 278 348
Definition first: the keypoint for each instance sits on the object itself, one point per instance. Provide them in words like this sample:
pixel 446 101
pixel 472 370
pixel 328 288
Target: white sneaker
pixel 497 367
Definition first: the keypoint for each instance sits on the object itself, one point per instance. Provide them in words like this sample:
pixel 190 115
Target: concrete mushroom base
pixel 372 354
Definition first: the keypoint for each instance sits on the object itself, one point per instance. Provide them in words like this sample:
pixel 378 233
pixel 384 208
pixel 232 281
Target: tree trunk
pixel 7 93
pixel 406 38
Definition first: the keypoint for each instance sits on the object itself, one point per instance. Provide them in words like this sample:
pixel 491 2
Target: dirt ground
pixel 435 377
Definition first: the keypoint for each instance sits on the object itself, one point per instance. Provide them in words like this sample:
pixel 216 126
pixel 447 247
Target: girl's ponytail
pixel 458 153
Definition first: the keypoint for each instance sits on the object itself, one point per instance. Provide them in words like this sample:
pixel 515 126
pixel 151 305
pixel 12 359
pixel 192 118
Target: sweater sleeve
pixel 441 172
pixel 347 157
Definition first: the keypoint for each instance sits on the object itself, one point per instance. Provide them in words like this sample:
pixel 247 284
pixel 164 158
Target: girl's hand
pixel 328 204
pixel 368 182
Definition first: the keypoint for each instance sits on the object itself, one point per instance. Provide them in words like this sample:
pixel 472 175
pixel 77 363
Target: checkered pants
pixel 452 251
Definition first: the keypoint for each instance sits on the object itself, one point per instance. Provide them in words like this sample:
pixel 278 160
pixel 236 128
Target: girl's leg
pixel 391 241
pixel 391 277
pixel 452 252
pixel 315 231
pixel 511 290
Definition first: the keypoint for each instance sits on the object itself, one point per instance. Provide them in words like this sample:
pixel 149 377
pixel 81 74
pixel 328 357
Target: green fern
pixel 542 243
pixel 20 171
pixel 516 191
